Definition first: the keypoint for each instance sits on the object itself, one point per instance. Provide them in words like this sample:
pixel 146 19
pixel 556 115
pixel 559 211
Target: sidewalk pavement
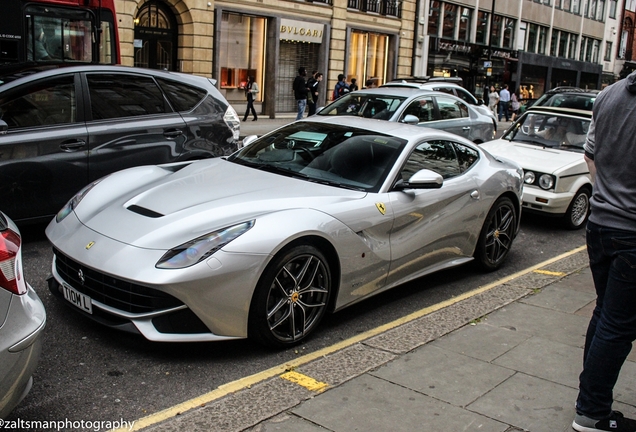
pixel 505 357
pixel 265 124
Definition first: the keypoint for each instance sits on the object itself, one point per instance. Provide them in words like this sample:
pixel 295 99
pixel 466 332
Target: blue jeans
pixel 302 103
pixel 612 328
pixel 503 110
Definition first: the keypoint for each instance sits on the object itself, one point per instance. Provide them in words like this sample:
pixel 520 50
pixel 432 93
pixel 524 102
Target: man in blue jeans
pixel 610 151
pixel 301 91
pixel 504 101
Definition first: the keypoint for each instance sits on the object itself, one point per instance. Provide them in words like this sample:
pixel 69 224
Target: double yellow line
pixel 286 370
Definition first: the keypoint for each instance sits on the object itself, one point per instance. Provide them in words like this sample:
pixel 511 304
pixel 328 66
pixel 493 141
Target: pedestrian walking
pixel 504 101
pixel 515 104
pixel 300 92
pixel 251 89
pixel 313 84
pixel 493 100
pixel 610 151
pixel 341 87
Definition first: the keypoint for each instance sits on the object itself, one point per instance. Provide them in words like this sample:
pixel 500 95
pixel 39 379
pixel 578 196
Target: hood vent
pixel 144 211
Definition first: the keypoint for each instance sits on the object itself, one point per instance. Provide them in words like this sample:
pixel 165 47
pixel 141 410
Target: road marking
pixel 246 382
pixel 305 381
pixel 550 273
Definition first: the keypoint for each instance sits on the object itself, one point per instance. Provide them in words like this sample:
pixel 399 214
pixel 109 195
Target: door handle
pixel 72 145
pixel 475 194
pixel 172 133
pixel 466 128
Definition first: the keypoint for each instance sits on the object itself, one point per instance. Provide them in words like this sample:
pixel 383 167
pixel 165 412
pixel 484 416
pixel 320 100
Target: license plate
pixel 80 300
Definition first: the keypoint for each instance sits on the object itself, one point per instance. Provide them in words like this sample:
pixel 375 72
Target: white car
pixel 548 144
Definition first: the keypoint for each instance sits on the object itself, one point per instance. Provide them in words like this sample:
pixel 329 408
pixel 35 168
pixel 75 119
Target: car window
pixel 422 108
pixel 466 156
pixel 364 105
pixel 123 95
pixel 45 102
pixel 183 97
pixel 451 108
pixel 466 96
pixel 438 156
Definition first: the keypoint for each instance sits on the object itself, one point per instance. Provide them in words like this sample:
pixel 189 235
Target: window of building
pixel 612 6
pixel 576 7
pixel 543 36
pixel 572 46
pixel 596 48
pixel 495 35
pixel 600 10
pixel 563 44
pixel 522 36
pixel 464 24
pixel 242 50
pixel 533 30
pixel 433 18
pixel 566 6
pixel 367 56
pixel 482 28
pixel 608 51
pixel 554 43
pixel 509 33
pixel 450 19
pixel 557 4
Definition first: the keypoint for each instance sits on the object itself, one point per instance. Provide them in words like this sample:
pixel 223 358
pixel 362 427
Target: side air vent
pixel 144 211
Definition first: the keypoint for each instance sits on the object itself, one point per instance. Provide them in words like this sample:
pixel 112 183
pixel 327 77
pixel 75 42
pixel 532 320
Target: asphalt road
pixel 89 372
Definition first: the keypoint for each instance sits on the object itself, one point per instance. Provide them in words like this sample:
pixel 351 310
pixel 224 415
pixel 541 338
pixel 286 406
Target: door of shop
pixel 292 56
pixel 156 37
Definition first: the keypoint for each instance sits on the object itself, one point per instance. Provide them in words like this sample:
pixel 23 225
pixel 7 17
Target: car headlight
pixel 232 121
pixel 74 202
pixel 528 177
pixel 546 181
pixel 194 251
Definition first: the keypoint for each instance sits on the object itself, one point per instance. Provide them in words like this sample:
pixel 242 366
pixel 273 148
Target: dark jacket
pixel 300 88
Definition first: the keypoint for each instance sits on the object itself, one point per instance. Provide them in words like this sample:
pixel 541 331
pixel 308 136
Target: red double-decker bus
pixel 46 31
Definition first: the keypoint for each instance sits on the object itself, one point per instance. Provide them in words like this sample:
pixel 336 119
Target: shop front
pixel 270 49
pixel 368 57
pixel 478 66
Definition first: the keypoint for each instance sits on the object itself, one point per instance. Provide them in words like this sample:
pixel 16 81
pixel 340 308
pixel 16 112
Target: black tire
pixel 291 297
pixel 497 234
pixel 578 211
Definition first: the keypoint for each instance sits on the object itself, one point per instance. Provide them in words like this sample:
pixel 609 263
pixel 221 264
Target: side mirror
pixel 411 119
pixel 248 140
pixel 423 179
pixel 4 127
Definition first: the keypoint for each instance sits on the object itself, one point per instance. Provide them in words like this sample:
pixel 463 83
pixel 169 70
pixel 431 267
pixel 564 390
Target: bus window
pixel 59 39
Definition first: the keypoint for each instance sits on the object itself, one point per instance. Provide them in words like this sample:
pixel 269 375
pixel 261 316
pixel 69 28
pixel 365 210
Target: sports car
pixel 308 219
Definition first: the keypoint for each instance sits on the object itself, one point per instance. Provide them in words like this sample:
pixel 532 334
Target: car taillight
pixel 10 266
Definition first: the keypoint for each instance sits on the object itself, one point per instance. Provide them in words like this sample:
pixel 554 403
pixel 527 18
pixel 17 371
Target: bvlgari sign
pixel 301 31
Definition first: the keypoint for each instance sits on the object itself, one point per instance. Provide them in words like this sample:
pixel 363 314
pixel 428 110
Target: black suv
pixel 63 127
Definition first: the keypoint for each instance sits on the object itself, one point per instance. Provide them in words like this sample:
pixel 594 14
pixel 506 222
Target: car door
pixel 43 151
pixel 425 231
pixel 130 123
pixel 454 116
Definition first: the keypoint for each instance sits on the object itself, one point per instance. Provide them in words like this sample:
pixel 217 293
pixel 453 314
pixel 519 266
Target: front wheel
pixel 495 239
pixel 291 297
pixel 578 211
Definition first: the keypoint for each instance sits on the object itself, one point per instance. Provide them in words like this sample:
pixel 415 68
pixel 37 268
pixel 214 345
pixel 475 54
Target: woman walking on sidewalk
pixel 251 89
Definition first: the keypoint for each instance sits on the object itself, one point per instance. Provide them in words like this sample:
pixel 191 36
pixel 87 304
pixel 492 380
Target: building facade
pixel 531 45
pixel 269 40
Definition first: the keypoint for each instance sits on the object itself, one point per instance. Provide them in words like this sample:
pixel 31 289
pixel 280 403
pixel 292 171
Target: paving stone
pixel 559 298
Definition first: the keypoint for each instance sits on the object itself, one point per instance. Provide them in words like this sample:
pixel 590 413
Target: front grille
pixel 119 294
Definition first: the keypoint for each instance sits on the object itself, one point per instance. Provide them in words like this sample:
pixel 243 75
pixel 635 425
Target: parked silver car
pixel 22 319
pixel 419 107
pixel 308 219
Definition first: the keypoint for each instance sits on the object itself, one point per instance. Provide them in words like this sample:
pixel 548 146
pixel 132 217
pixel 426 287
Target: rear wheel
pixel 578 211
pixel 291 297
pixel 495 239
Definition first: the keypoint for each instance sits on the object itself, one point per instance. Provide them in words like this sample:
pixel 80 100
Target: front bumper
pixel 539 200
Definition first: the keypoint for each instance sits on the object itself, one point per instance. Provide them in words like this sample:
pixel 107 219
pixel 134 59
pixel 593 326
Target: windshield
pixel 568 100
pixel 325 153
pixel 364 105
pixel 550 130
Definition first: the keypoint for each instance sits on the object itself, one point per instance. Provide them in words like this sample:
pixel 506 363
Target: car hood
pixel 159 207
pixel 531 157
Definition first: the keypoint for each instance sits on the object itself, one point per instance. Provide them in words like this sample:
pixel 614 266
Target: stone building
pixel 270 39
